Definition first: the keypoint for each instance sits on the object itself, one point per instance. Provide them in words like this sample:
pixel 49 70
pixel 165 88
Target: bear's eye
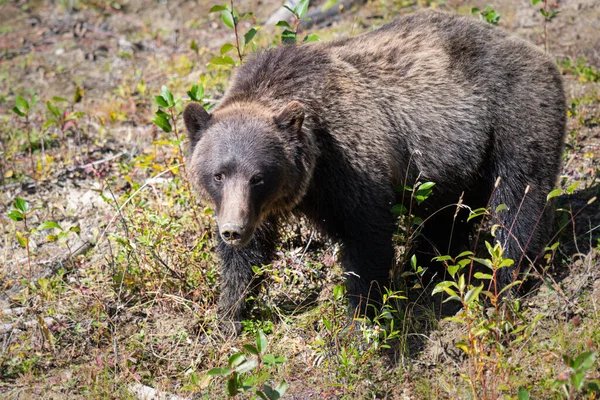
pixel 218 177
pixel 256 180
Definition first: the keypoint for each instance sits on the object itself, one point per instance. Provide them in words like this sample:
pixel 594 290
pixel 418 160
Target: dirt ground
pixel 118 55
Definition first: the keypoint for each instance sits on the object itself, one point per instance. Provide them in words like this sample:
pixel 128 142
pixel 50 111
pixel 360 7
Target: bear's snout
pixel 235 235
pixel 232 233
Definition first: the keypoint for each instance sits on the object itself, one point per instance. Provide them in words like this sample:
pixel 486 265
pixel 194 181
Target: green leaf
pixel 219 372
pixel 232 385
pixel 399 209
pixel 218 8
pixel 249 36
pixel 48 225
pixel 453 269
pixel 585 361
pixel 167 96
pixel 444 287
pixel 277 392
pixel 194 46
pixel 16 110
pixel 21 205
pixel 48 124
pixel 507 262
pixel 465 254
pixel 246 366
pixel 283 24
pixel 464 347
pixel 593 386
pixel 534 2
pixel 476 213
pixel 261 395
pixel 57 99
pixel 474 10
pixel 236 359
pixel 572 188
pixel 484 261
pixel 473 294
pixel 23 240
pixel 163 123
pixel 223 60
pixel 481 275
pixel 34 100
pixel 160 101
pixel 289 9
pixel 163 114
pixel 251 349
pixel 268 359
pixel 22 104
pixel 227 18
pixel 501 207
pixel 426 186
pixel 261 341
pixel 577 380
pixel 15 215
pixel 311 37
pixel 53 109
pixel 196 93
pixel 226 48
pixel 301 8
pixel 441 258
pixel 554 193
pixel 510 285
pixel 78 95
pixel 288 37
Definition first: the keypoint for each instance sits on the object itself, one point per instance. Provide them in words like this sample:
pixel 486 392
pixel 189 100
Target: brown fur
pixel 430 96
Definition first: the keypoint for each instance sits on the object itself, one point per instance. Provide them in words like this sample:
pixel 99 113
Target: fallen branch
pixel 104 160
pixel 79 167
pixel 23 325
pixel 144 392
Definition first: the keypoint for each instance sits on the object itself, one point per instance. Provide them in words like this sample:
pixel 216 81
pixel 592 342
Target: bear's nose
pixel 231 232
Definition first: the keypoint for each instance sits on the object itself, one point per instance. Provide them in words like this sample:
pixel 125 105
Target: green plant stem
pixel 296 27
pixel 546 26
pixel 235 29
pixel 33 174
pixel 30 272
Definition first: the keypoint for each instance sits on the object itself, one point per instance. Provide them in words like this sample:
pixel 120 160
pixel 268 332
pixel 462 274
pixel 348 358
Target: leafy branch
pixel 231 18
pixel 290 33
pixel 548 15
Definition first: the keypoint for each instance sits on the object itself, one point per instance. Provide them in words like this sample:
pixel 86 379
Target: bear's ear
pixel 196 120
pixel 291 117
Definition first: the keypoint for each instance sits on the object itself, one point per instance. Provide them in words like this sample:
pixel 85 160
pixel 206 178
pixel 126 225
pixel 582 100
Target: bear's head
pixel 250 162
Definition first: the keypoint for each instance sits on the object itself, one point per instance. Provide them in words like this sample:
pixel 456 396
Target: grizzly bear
pixel 328 130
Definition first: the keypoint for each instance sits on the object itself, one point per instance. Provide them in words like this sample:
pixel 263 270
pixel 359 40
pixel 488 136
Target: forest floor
pixel 117 299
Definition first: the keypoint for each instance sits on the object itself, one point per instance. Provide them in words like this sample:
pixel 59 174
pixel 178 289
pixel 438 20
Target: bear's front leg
pixel 367 262
pixel 237 278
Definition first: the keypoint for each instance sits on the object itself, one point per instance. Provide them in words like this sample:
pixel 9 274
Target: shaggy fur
pixel 330 129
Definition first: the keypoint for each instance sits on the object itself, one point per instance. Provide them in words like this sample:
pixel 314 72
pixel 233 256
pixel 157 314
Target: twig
pixel 7 328
pixel 144 392
pixel 104 160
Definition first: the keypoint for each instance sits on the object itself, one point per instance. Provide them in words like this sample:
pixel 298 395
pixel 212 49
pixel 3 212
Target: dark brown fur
pixel 332 128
